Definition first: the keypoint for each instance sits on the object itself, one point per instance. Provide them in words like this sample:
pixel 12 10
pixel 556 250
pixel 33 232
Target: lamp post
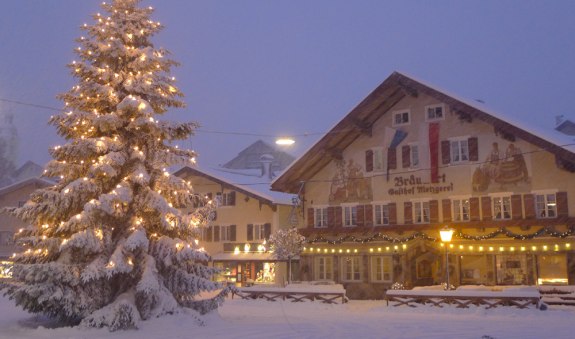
pixel 446 234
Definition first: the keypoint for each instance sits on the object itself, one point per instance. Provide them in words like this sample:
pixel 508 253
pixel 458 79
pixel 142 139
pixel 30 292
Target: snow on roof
pixel 249 180
pixel 548 133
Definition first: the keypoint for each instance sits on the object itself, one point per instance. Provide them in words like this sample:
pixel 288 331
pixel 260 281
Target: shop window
pixel 552 270
pixel 502 208
pixel 324 267
pixel 381 269
pixel 265 272
pixel 421 212
pixel 511 269
pixel 351 268
pixel 474 269
pixel 461 210
pixel 349 215
pixel 320 220
pixel 380 214
pixel 546 205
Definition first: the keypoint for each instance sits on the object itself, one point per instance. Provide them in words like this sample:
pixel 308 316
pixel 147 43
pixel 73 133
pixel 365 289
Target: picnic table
pixel 520 298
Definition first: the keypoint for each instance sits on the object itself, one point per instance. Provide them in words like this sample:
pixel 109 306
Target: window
pixel 226 233
pixel 324 268
pixel 434 112
pixel 414 150
pixel 546 205
pixel 401 118
pixel 501 208
pixel 320 217
pixel 461 210
pixel 350 215
pixel 259 232
pixel 381 215
pixel 421 212
pixel 377 159
pixel 351 269
pixel 205 234
pixel 459 150
pixel 381 269
pixel 226 199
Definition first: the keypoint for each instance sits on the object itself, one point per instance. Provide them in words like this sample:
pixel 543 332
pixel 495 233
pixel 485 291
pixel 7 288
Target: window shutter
pixel 232 232
pixel 474 209
pixel 433 211
pixel 516 212
pixel 486 207
pixel 330 217
pixel 529 205
pixel 338 217
pixel 392 213
pixel 369 160
pixel 267 230
pixel 232 197
pixel 360 216
pixel 473 145
pixel 368 215
pixel 209 234
pixel 407 212
pixel 310 217
pixel 391 158
pixel 214 215
pixel 446 209
pixel 405 156
pixel 216 233
pixel 445 152
pixel 562 206
pixel 250 234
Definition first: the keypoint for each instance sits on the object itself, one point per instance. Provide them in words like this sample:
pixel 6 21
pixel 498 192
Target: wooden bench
pixel 462 299
pixel 294 296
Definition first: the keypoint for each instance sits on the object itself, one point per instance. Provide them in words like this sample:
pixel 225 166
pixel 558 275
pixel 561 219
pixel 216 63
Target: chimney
pixel 266 161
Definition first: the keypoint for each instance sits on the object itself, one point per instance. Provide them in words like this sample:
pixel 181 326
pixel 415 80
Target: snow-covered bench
pixel 463 297
pixel 330 294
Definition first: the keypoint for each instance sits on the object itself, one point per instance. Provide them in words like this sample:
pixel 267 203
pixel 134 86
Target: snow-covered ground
pixel 284 319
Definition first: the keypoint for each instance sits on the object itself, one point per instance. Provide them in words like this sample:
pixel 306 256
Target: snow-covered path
pixel 356 319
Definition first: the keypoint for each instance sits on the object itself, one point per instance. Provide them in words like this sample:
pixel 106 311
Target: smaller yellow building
pixel 247 215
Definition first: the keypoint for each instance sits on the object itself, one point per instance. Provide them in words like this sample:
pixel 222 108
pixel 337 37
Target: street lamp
pixel 446 234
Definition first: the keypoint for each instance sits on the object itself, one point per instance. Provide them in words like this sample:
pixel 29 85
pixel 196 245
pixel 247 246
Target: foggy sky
pixel 296 67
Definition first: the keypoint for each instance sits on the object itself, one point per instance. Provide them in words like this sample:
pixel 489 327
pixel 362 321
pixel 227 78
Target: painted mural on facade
pixel 503 169
pixel 349 184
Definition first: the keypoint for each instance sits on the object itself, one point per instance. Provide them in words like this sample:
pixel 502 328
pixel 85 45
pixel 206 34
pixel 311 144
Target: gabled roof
pixel 250 157
pixel 254 187
pixel 379 102
pixel 38 182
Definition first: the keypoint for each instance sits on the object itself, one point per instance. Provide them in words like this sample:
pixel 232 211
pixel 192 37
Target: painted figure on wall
pixel 348 183
pixel 509 169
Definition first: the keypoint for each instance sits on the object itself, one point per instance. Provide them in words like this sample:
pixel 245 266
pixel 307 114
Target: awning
pixel 243 256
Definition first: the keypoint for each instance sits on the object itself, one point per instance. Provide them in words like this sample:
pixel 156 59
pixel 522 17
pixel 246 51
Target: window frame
pixel 327 272
pixel 383 207
pixel 375 266
pixel 355 266
pixel 434 106
pixel 225 229
pixel 412 163
pixel 459 212
pixel 324 217
pixel 499 207
pixel 353 215
pixel 378 152
pixel 546 204
pixel 403 112
pixel 259 231
pixel 459 141
pixel 421 210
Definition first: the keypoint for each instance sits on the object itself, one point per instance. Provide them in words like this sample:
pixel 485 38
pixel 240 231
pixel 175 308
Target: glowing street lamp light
pixel 446 234
pixel 285 141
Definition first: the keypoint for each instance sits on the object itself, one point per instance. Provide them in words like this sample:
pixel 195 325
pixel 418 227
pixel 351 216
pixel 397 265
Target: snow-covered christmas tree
pixel 108 245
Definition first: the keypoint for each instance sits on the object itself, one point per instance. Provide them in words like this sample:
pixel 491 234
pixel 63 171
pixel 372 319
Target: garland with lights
pixel 420 235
